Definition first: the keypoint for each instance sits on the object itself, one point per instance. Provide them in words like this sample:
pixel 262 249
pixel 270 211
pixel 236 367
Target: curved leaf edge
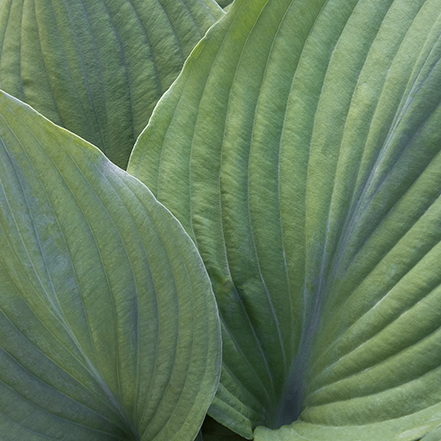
pixel 97 154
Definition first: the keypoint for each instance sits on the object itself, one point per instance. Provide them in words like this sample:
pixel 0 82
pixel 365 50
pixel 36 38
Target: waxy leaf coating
pixel 300 148
pixel 98 67
pixel 108 326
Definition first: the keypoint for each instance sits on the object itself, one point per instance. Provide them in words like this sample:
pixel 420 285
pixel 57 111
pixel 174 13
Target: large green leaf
pixel 108 325
pixel 300 149
pixel 98 67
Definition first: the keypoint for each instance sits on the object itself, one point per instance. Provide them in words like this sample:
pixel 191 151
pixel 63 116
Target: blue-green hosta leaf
pixel 108 326
pixel 300 149
pixel 98 67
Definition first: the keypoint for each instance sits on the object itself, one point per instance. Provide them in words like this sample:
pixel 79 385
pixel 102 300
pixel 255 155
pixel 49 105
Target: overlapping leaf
pixel 98 67
pixel 108 325
pixel 300 149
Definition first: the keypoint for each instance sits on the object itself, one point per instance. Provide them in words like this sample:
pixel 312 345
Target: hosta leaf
pixel 98 67
pixel 108 326
pixel 300 149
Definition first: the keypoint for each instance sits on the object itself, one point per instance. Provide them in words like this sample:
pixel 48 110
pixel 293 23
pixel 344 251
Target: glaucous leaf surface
pixel 300 148
pixel 108 325
pixel 98 67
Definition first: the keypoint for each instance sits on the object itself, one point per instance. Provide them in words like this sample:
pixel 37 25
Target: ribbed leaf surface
pixel 98 67
pixel 108 326
pixel 300 148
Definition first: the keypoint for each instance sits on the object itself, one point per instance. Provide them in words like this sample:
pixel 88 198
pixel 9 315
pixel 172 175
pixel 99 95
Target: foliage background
pixel 299 150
